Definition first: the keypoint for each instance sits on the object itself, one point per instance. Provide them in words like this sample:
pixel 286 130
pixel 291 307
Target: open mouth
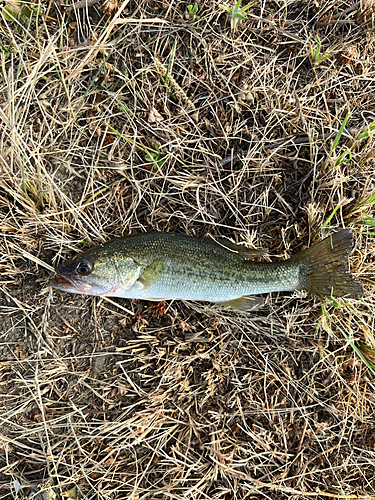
pixel 64 283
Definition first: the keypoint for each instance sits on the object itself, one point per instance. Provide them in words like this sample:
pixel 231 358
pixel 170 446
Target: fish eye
pixel 84 267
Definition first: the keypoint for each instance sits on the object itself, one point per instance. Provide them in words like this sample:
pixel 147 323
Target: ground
pixel 151 117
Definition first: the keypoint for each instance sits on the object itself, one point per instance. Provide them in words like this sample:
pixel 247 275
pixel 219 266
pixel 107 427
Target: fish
pixel 160 266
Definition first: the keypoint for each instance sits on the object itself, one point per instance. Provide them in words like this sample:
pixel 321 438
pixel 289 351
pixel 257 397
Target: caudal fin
pixel 324 267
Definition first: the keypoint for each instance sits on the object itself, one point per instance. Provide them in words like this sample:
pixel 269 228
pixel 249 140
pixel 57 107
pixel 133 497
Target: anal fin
pixel 250 303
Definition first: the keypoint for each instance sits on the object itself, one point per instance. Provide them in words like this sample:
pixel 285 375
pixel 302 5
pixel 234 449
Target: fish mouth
pixel 66 284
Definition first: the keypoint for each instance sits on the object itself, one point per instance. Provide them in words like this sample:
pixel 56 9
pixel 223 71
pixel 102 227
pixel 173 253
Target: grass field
pixel 123 118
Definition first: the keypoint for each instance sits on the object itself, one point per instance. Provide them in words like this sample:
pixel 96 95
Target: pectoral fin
pixel 244 303
pixel 152 274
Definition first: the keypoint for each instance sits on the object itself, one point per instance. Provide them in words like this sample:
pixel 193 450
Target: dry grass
pixel 116 399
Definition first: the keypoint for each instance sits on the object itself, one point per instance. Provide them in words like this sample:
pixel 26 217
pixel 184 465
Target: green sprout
pixel 237 12
pixel 316 56
pixel 366 133
pixel 362 214
pixel 17 11
pixel 346 155
pixel 193 9
pixel 156 158
pixel 5 51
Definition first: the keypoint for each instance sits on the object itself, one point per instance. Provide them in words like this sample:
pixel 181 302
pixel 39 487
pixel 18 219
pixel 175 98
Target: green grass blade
pixel 171 61
pixel 331 216
pixel 336 141
pixel 369 364
pixel 127 139
pixel 366 133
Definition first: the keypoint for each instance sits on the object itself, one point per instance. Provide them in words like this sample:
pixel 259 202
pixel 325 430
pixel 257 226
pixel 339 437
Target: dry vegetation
pixel 119 121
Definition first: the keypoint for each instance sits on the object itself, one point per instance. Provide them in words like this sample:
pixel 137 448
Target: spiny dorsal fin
pixel 246 253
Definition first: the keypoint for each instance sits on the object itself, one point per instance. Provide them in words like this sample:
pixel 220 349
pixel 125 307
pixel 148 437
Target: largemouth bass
pixel 162 266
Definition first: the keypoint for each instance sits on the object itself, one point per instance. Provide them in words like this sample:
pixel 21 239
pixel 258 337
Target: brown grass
pixel 114 399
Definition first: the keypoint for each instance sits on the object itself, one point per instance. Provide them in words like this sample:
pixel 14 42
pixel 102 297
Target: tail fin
pixel 324 267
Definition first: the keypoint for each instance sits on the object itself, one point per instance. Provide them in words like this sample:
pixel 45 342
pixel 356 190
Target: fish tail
pixel 324 267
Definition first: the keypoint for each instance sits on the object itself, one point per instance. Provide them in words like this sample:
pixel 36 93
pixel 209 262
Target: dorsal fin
pixel 246 253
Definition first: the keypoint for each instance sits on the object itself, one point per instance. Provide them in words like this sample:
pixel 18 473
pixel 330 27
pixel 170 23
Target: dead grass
pixel 114 399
